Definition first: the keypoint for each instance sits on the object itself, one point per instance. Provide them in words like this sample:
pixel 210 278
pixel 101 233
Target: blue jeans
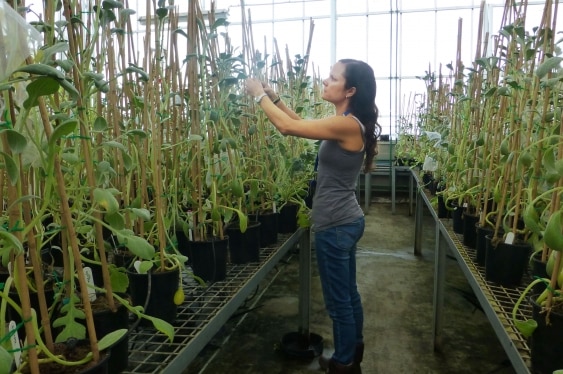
pixel 336 258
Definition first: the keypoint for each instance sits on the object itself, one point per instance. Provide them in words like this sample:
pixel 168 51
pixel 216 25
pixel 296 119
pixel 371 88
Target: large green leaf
pixel 42 86
pixel 61 130
pixel 11 167
pixel 42 69
pixel 140 247
pixel 111 338
pixel 5 361
pixel 548 65
pixel 16 141
pixel 106 199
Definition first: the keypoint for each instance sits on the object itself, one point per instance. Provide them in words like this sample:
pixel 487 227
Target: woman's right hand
pixel 269 91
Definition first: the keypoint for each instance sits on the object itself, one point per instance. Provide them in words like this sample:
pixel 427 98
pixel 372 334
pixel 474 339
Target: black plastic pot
pixel 155 290
pixel 105 322
pixel 457 219
pixel 469 231
pixel 209 258
pixel 481 243
pixel 546 343
pixel 244 247
pixel 538 269
pixel 505 264
pixel 287 221
pixel 268 227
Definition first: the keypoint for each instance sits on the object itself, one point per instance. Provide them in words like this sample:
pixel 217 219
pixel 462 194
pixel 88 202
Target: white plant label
pixel 465 205
pixel 274 208
pixel 90 280
pixel 15 340
pixel 509 238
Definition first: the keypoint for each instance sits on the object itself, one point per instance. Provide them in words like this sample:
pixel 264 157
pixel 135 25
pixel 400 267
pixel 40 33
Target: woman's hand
pixel 254 87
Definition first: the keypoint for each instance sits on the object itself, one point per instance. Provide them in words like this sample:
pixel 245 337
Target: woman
pixel 349 141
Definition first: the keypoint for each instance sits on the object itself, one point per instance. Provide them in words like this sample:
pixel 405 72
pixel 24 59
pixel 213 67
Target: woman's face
pixel 334 90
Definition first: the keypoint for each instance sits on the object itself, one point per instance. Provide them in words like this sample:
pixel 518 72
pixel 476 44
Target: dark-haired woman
pixel 349 140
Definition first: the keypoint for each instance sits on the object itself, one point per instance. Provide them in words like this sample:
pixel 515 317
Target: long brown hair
pixel 360 75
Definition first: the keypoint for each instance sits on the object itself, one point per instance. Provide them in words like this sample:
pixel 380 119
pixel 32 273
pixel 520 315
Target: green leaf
pixel 40 87
pixel 100 124
pixel 48 52
pixel 11 167
pixel 115 220
pixel 118 279
pixel 69 87
pixel 135 69
pixel 42 69
pixel 145 267
pixel 115 144
pixel 140 133
pixel 162 13
pixel 5 361
pixel 552 235
pixel 61 130
pixel 106 199
pixel 128 163
pixel 111 4
pixel 16 141
pixel 162 326
pixel 111 338
pixel 10 242
pixel 140 247
pixel 142 213
pixel 548 65
pixel 526 327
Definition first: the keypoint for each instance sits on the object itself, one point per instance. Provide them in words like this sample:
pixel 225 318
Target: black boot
pixel 358 357
pixel 337 368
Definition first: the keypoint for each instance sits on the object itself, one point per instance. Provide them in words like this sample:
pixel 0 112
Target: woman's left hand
pixel 254 87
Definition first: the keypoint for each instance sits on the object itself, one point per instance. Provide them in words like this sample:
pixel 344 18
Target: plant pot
pixel 469 230
pixel 268 227
pixel 457 219
pixel 481 243
pixel 184 245
pixel 505 263
pixel 123 259
pixel 159 298
pixel 443 211
pixel 77 352
pixel 287 221
pixel 244 247
pixel 538 269
pixel 546 343
pixel 105 322
pixel 12 315
pixel 209 258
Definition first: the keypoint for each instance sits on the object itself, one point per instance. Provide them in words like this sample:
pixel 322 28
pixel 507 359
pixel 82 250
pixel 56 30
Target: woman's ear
pixel 350 92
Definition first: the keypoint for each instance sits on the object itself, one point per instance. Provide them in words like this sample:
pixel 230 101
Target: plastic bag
pixel 17 40
pixel 429 164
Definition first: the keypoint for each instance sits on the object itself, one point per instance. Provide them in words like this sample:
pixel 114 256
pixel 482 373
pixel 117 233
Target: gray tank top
pixel 334 202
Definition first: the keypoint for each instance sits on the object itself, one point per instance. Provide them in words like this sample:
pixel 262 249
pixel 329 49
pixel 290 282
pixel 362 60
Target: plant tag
pixel 14 339
pixel 137 266
pixel 191 224
pixel 465 205
pixel 509 238
pixel 90 280
pixel 274 208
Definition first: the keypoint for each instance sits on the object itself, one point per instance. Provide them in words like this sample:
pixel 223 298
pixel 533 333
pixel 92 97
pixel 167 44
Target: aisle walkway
pixel 397 291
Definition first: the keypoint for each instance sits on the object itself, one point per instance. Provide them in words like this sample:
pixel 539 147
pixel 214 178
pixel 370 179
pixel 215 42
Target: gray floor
pixel 396 288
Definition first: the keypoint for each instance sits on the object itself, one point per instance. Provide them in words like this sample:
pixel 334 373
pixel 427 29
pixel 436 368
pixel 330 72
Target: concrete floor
pixel 396 288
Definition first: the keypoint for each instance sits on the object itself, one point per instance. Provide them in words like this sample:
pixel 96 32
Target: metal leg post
pixel 418 224
pixel 439 281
